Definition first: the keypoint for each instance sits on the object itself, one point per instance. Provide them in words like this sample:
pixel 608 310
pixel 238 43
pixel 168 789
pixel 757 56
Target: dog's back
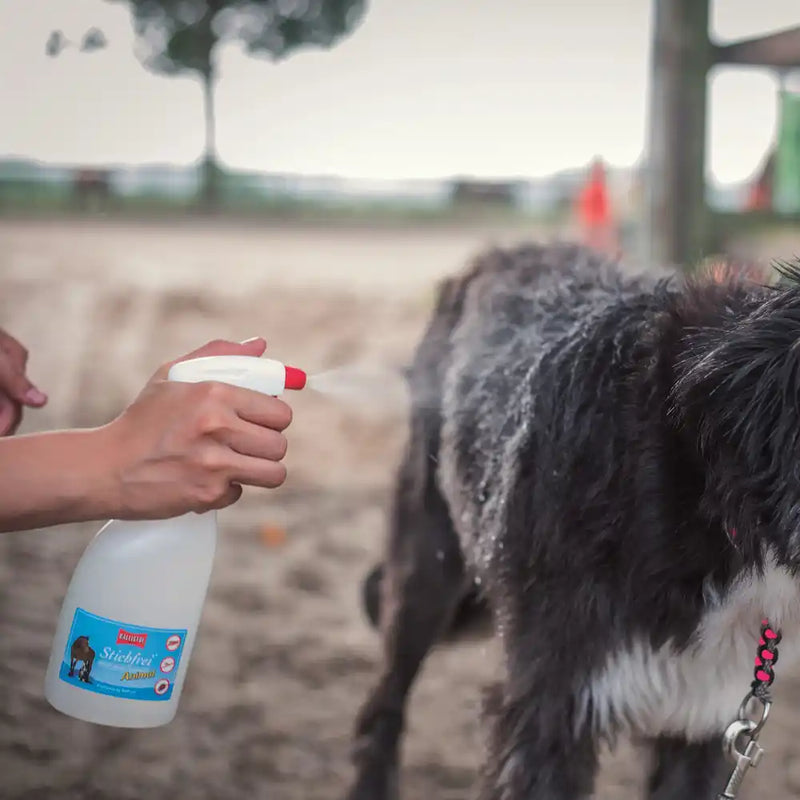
pixel 520 314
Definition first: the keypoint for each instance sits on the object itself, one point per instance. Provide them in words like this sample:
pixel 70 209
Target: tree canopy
pixel 182 35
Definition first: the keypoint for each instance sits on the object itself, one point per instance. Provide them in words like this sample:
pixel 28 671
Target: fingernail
pixel 254 339
pixel 35 397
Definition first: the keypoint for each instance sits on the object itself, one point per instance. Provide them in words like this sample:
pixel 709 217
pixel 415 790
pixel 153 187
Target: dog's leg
pixel 532 754
pixel 683 770
pixel 542 743
pixel 421 588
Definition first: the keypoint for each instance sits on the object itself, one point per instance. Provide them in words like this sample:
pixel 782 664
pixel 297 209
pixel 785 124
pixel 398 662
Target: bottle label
pixel 114 658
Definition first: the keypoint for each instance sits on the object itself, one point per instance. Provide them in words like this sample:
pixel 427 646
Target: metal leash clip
pixel 740 744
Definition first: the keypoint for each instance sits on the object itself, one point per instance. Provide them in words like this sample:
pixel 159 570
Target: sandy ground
pixel 284 656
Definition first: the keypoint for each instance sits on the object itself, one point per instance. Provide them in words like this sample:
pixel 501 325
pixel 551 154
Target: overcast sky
pixel 423 88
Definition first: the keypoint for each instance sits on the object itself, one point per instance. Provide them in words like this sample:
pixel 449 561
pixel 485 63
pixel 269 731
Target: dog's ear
pixel 744 374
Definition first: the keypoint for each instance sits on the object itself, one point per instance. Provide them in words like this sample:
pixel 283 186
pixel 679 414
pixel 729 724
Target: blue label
pixel 114 658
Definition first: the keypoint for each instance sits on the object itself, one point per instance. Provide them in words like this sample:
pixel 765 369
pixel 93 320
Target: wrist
pixel 89 487
pixel 100 476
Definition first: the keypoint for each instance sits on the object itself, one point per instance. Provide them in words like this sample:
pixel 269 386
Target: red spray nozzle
pixel 295 378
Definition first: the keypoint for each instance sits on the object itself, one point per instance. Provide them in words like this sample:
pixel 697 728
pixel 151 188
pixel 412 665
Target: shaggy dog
pixel 583 446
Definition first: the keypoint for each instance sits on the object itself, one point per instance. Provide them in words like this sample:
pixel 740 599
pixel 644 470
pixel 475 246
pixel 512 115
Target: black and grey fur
pixel 581 445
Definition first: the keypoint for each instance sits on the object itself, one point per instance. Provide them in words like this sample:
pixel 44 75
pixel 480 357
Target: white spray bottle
pixel 130 615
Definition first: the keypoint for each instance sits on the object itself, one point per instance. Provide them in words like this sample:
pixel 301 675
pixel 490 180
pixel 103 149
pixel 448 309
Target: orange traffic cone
pixel 594 212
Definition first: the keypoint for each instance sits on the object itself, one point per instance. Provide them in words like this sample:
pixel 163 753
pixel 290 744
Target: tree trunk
pixel 677 224
pixel 210 188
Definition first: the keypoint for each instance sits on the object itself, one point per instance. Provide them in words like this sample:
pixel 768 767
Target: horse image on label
pixel 80 651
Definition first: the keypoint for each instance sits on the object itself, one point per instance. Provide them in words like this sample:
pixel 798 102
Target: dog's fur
pixel 582 446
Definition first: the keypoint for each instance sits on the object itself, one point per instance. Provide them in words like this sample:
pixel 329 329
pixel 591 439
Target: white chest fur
pixel 696 692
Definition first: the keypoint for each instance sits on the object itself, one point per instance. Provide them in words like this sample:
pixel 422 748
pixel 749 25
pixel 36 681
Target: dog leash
pixel 740 740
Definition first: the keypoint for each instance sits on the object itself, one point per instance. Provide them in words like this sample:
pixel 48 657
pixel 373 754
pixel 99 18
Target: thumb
pixel 17 386
pixel 219 347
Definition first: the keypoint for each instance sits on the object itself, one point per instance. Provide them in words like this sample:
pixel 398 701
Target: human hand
pixel 183 447
pixel 16 390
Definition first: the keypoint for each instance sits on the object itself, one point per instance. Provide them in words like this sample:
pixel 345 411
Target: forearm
pixel 52 478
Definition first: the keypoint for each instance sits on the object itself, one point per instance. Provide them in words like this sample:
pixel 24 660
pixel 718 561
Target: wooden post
pixel 780 50
pixel 677 224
